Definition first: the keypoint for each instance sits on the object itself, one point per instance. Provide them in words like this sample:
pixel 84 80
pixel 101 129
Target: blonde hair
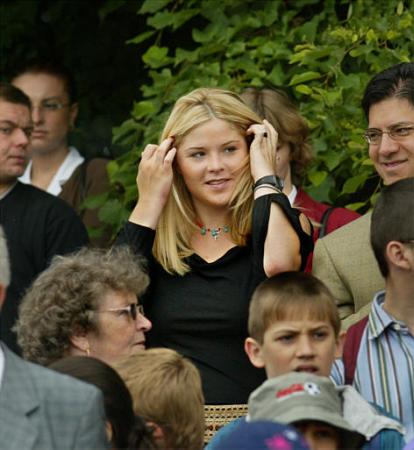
pixel 276 107
pixel 166 389
pixel 178 219
pixel 291 296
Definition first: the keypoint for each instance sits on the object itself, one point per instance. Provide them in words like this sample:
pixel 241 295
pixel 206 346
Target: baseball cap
pixel 262 435
pixel 300 396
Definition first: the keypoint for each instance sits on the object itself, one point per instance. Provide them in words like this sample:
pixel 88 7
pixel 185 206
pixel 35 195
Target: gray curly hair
pixel 61 300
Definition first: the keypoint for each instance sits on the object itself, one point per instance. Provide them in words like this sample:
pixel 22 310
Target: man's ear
pixel 340 341
pixel 254 352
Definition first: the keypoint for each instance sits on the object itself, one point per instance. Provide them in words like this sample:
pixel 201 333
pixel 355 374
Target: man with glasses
pixel 57 167
pixel 37 225
pixel 344 259
pixel 379 350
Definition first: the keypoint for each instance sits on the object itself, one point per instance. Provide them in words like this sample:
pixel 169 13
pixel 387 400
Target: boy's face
pixel 318 435
pixel 296 346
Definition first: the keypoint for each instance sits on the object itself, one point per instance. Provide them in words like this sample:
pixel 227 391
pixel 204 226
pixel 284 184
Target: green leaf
pixel 161 20
pixel 355 206
pixel 317 177
pixel 142 109
pixel 94 201
pixel 303 77
pixel 152 6
pixel 353 184
pixel 303 89
pixel 113 212
pixel 156 57
pixel 182 55
pixel 171 19
pixel 141 37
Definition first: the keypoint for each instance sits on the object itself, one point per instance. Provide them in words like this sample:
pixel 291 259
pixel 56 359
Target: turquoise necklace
pixel 215 232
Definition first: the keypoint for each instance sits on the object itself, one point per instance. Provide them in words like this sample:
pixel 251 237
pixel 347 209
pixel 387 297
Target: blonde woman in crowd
pixel 212 222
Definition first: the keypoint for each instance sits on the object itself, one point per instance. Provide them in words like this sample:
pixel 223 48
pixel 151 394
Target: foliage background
pixel 322 52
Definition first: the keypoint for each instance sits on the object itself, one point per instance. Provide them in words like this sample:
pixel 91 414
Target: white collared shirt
pixel 292 195
pixel 65 171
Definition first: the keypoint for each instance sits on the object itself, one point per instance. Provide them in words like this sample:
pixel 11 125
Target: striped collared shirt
pixel 385 366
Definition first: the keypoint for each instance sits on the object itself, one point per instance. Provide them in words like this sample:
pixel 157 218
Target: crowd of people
pixel 211 294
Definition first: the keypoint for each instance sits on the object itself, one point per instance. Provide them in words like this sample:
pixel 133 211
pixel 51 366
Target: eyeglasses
pixel 51 106
pixel 374 136
pixel 132 309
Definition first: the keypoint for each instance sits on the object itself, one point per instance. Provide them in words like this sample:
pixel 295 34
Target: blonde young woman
pixel 213 223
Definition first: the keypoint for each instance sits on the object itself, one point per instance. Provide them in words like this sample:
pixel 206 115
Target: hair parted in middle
pixel 166 389
pixel 178 219
pixel 291 296
pixel 275 106
pixel 62 299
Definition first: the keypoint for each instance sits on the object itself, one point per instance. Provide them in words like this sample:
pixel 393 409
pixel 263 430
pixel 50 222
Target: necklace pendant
pixel 203 231
pixel 215 232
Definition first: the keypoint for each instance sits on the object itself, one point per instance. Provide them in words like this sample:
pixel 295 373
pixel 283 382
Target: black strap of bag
pixel 324 221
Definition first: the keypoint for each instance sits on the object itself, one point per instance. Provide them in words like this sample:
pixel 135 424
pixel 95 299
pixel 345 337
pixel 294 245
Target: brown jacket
pixel 345 262
pixel 88 179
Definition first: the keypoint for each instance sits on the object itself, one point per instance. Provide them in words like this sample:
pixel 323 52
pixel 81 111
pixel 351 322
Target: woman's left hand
pixel 262 149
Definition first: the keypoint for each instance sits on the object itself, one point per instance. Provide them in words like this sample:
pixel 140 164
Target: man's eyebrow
pixel 393 125
pixel 53 97
pixel 8 122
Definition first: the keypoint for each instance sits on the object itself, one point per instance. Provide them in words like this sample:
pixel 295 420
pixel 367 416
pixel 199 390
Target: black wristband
pixel 272 180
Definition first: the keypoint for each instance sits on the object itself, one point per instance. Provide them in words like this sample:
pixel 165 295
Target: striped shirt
pixel 385 365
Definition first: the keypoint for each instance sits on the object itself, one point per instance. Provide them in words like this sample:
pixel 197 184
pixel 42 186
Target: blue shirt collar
pixel 380 320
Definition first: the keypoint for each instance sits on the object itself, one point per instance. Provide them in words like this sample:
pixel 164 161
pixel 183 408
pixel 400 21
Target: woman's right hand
pixel 154 181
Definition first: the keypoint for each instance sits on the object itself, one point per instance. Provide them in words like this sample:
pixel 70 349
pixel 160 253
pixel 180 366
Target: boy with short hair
pixel 167 394
pixel 379 361
pixel 294 326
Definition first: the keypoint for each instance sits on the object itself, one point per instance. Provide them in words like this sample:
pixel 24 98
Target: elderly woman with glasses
pixel 85 304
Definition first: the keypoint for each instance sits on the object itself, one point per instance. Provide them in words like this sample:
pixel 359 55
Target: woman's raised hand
pixel 154 181
pixel 263 149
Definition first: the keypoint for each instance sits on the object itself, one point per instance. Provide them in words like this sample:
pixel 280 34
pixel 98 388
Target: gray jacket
pixel 41 409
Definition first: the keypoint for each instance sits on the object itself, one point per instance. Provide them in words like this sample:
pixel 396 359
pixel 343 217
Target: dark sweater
pixel 203 314
pixel 37 227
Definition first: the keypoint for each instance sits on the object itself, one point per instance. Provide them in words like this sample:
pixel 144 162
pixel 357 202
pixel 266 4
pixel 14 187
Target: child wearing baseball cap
pixel 309 402
pixel 294 326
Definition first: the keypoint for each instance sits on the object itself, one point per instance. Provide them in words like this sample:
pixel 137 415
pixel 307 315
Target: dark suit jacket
pixel 41 409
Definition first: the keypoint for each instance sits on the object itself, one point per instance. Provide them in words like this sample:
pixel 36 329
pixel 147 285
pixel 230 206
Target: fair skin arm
pixel 154 182
pixel 282 245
